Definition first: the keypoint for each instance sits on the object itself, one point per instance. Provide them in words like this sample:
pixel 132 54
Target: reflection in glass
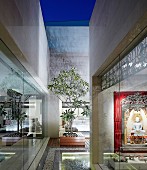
pixel 21 110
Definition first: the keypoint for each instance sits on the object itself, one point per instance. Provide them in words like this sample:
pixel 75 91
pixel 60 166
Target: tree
pixel 16 105
pixel 69 87
pixel 2 110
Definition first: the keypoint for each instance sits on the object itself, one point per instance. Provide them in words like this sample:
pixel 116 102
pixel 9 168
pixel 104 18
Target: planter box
pixel 72 141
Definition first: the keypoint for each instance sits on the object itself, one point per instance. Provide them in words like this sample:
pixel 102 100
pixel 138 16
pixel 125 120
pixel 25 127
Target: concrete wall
pixel 109 24
pixel 54 115
pixel 22 30
pixel 106 123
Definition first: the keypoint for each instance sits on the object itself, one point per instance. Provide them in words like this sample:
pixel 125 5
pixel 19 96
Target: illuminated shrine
pixel 130 120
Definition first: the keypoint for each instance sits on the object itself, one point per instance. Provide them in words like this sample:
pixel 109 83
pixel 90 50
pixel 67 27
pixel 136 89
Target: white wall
pixel 109 24
pixel 23 31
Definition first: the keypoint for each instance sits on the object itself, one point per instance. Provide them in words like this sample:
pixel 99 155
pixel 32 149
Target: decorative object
pixel 135 101
pixel 132 63
pixel 69 87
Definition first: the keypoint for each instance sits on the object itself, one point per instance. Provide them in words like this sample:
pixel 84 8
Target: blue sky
pixel 66 10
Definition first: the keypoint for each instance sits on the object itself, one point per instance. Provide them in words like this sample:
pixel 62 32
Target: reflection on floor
pixel 6 155
pixel 75 160
pixel 24 151
pixel 61 158
pixel 54 160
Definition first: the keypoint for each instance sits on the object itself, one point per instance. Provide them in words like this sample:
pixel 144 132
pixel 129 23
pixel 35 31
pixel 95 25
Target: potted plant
pixel 69 87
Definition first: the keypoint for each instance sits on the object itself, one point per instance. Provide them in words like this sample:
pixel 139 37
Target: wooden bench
pixel 72 141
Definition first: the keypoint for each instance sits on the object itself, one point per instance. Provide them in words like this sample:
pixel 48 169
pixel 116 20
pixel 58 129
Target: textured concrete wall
pixel 65 61
pixel 109 24
pixel 69 47
pixel 106 123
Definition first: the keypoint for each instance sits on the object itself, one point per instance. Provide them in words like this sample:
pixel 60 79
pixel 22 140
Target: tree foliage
pixel 70 88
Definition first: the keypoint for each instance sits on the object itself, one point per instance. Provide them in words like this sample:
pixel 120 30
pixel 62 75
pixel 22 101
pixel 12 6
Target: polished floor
pixel 25 151
pixel 21 154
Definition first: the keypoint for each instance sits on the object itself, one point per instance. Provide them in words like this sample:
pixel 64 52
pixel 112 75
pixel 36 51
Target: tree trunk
pixel 70 126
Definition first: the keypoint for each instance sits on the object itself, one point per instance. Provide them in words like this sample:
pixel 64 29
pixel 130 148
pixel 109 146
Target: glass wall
pixel 21 111
pixel 81 124
pixel 122 109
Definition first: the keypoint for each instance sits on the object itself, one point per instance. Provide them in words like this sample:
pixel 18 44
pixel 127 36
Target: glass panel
pixel 133 97
pixel 11 93
pixel 123 110
pixel 134 115
pixel 21 109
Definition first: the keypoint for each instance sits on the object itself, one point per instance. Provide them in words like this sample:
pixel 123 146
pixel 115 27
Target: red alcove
pixel 118 96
